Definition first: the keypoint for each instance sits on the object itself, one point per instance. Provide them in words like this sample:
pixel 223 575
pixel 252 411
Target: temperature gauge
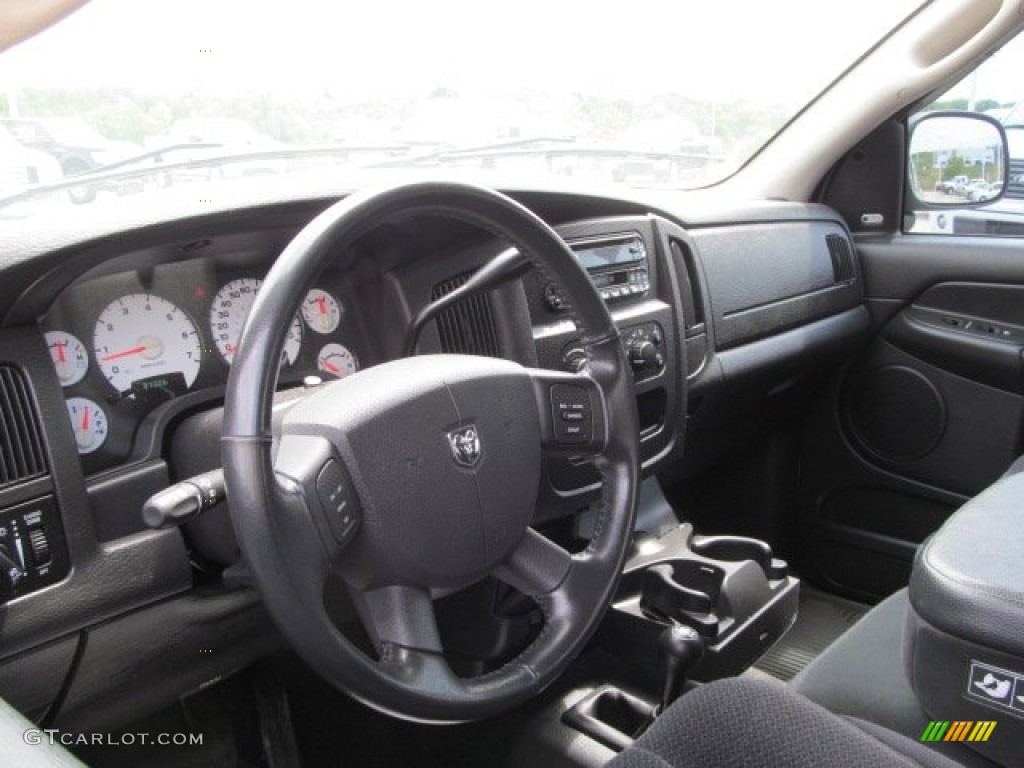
pixel 337 361
pixel 69 356
pixel 321 311
pixel 89 423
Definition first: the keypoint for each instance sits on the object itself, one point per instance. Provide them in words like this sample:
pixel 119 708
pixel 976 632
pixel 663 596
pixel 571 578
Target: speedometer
pixel 229 311
pixel 140 336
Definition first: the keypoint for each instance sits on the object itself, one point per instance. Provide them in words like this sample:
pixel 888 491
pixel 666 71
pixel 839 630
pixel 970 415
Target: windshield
pixel 167 95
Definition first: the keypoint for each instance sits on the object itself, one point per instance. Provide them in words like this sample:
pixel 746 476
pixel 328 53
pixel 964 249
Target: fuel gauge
pixel 89 423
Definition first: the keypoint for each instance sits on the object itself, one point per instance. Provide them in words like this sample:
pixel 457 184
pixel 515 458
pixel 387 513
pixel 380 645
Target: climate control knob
pixel 574 360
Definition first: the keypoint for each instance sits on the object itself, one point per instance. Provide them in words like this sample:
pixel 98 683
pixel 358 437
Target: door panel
pixel 928 415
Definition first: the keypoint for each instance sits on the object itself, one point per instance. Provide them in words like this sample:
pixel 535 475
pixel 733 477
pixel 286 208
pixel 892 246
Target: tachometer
pixel 89 423
pixel 229 311
pixel 321 311
pixel 70 358
pixel 337 361
pixel 140 336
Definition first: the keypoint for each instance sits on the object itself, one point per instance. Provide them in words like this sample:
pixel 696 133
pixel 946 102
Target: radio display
pixel 611 253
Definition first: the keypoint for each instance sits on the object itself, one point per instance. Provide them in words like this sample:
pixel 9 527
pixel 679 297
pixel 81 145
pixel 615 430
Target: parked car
pixel 77 147
pixel 951 186
pixel 199 139
pixel 979 190
pixel 21 167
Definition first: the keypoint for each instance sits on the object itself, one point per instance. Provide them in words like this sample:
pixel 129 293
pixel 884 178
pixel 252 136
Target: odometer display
pixel 141 335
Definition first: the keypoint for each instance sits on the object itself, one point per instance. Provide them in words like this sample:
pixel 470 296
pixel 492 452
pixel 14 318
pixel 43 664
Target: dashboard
pixel 119 342
pixel 125 344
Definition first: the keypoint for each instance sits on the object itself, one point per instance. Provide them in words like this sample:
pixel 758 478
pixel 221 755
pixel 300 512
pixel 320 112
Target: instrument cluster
pixel 124 345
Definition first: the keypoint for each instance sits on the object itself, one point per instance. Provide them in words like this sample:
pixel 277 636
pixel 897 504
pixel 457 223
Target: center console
pixel 689 609
pixel 706 607
pixel 629 260
pixel 729 589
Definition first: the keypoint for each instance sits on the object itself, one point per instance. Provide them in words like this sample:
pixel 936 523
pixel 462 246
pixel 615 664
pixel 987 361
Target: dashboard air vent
pixel 842 258
pixel 21 441
pixel 467 328
pixel 693 307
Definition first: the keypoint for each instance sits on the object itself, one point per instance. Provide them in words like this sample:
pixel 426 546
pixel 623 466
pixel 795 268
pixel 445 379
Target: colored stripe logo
pixel 958 730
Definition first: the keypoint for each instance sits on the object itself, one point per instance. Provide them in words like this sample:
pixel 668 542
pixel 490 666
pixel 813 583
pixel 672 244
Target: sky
pixel 1000 78
pixel 782 51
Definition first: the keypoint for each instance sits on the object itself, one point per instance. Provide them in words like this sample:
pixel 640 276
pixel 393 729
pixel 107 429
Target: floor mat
pixel 821 619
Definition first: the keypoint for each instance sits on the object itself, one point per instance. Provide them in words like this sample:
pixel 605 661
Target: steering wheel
pixel 419 477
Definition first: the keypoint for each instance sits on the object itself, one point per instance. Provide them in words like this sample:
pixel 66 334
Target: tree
pixel 955 166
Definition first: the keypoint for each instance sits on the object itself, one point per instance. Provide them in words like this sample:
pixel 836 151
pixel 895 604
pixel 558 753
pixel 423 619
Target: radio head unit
pixel 598 255
pixel 616 264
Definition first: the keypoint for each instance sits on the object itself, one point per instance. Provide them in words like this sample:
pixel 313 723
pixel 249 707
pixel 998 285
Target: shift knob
pixel 681 647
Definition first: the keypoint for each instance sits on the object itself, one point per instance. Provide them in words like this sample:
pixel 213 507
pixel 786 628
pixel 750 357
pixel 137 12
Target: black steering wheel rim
pixel 282 533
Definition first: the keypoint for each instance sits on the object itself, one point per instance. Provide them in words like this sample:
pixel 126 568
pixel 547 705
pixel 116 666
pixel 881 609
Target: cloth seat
pixel 746 723
pixel 862 675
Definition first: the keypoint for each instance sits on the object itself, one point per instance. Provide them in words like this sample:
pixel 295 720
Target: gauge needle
pixel 126 353
pixel 60 352
pixel 85 418
pixel 331 366
pixel 322 303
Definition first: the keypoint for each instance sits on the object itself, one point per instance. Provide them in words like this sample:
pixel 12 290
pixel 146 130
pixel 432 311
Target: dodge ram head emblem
pixel 465 445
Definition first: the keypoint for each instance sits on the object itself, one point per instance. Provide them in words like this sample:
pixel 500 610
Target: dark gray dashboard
pixel 742 307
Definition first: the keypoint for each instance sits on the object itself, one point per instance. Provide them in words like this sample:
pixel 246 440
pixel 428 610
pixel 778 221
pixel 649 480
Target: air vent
pixel 693 307
pixel 842 258
pixel 21 442
pixel 467 328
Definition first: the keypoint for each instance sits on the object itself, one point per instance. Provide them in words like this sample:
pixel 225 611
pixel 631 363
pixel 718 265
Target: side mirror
pixel 957 160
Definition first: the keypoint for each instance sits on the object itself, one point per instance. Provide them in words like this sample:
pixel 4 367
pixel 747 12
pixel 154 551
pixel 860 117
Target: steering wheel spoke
pixel 308 466
pixel 537 567
pixel 572 411
pixel 399 617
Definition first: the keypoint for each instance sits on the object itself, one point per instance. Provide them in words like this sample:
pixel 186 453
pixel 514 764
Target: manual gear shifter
pixel 681 647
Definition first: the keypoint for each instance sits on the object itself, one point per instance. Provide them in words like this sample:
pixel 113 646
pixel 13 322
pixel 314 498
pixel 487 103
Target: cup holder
pixel 683 590
pixel 735 549
pixel 729 588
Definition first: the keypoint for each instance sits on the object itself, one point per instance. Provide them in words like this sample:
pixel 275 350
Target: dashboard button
pixel 338 499
pixel 40 545
pixel 572 417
